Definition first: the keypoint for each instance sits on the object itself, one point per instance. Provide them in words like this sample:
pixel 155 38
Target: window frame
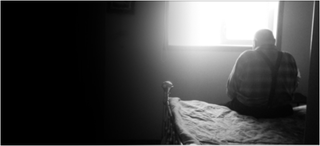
pixel 223 48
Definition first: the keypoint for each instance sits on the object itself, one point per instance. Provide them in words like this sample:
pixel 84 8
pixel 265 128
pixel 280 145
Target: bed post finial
pixel 166 86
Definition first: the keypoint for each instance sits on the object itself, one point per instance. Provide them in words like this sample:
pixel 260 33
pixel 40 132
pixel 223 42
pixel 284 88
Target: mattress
pixel 199 122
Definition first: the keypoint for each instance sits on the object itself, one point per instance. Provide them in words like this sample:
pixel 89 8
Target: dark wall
pixel 312 124
pixel 69 77
pixel 296 37
pixel 134 46
pixel 51 82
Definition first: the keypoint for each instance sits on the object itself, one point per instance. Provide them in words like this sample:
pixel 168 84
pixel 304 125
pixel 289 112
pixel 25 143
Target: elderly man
pixel 263 80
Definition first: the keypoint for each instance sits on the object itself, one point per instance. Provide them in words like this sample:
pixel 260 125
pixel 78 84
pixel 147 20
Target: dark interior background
pixel 77 73
pixel 52 73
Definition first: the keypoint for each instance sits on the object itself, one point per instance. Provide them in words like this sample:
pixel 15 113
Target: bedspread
pixel 199 122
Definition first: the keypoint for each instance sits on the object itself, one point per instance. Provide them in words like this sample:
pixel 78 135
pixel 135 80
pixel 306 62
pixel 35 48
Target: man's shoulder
pixel 287 54
pixel 247 53
pixel 246 56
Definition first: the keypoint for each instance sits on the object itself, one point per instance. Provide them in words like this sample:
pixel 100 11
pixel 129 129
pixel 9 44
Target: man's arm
pixel 237 70
pixel 296 70
pixel 298 78
pixel 231 84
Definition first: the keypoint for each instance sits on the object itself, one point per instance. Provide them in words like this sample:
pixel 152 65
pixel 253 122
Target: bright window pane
pixel 219 23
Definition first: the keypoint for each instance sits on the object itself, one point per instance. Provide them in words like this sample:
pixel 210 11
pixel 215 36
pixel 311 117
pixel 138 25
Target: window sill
pixel 209 48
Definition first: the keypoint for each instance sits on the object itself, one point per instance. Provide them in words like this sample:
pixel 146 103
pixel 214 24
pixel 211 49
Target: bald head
pixel 264 37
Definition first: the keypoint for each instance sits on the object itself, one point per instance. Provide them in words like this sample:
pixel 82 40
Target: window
pixel 219 23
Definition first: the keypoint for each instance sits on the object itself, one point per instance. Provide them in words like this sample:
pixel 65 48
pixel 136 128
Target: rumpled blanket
pixel 199 122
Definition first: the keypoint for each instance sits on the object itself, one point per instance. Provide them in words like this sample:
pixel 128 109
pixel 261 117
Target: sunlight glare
pixel 208 23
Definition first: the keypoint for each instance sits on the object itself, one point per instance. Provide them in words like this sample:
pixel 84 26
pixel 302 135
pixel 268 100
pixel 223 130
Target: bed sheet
pixel 198 122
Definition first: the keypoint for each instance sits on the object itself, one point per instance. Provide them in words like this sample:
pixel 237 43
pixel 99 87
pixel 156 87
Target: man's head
pixel 263 37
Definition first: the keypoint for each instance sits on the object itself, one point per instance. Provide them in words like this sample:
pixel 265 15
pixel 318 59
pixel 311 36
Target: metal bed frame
pixel 169 131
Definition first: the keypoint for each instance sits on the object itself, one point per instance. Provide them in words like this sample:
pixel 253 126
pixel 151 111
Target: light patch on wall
pixel 219 23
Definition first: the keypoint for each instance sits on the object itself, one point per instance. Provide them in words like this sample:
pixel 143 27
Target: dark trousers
pixel 258 112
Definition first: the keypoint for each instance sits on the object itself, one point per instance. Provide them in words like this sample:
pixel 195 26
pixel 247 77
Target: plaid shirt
pixel 250 78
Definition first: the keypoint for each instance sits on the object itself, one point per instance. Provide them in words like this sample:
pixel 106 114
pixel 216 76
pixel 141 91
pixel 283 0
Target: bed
pixel 187 122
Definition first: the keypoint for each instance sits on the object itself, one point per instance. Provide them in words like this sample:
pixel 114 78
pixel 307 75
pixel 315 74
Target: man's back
pixel 263 80
pixel 251 79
